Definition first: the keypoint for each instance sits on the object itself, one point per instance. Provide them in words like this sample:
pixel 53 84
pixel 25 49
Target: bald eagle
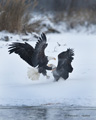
pixel 35 57
pixel 64 66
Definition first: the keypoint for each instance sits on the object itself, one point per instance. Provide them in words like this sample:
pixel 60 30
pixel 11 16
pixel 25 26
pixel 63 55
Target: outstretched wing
pixel 64 60
pixel 24 50
pixel 32 56
pixel 40 48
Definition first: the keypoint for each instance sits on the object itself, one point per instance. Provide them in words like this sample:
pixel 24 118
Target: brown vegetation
pixel 83 17
pixel 12 13
pixel 14 17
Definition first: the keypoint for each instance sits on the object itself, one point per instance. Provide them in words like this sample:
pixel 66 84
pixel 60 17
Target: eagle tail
pixel 33 73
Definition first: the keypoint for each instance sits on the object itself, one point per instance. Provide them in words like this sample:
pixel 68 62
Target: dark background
pixel 65 5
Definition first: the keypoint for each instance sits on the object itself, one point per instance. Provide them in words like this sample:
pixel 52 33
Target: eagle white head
pixel 53 66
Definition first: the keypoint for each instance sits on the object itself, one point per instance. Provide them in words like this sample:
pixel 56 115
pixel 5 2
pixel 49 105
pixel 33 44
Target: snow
pixel 16 89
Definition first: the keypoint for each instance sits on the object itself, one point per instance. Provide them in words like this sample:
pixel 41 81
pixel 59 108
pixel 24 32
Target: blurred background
pixel 49 16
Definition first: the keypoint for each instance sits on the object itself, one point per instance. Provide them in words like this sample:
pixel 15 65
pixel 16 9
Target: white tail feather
pixel 33 73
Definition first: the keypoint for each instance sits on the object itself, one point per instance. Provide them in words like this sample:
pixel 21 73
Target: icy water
pixel 47 113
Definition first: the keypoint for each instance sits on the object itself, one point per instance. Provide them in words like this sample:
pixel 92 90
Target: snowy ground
pixel 78 90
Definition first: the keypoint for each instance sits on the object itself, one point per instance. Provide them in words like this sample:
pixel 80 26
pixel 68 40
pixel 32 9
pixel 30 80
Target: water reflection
pixel 47 113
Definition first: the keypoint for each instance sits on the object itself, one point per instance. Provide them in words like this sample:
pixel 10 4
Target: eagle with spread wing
pixel 64 66
pixel 35 57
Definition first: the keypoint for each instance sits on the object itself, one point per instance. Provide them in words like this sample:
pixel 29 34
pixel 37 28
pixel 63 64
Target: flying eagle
pixel 33 56
pixel 64 66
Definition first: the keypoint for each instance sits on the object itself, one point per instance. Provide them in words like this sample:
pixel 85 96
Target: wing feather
pixel 64 60
pixel 41 43
pixel 34 57
pixel 24 50
pixel 40 49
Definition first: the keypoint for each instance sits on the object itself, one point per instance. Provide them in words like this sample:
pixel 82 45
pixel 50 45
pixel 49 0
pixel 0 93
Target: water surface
pixel 47 113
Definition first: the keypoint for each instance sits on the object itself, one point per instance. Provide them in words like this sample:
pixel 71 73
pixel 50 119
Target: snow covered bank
pixel 78 89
